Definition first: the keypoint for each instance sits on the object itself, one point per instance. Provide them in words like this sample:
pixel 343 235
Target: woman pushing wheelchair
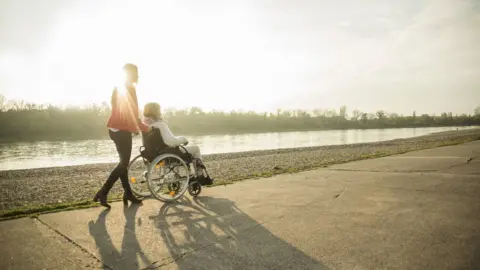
pixel 123 122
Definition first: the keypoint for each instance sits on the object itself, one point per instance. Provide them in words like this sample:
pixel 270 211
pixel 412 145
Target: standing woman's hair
pixel 131 77
pixel 131 73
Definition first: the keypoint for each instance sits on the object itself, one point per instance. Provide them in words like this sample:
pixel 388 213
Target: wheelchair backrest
pixel 154 145
pixel 153 142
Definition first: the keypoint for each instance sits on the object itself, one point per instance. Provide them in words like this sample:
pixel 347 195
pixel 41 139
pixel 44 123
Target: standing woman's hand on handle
pixel 142 126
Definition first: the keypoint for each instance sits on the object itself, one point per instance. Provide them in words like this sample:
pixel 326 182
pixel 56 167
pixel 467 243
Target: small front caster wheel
pixel 194 188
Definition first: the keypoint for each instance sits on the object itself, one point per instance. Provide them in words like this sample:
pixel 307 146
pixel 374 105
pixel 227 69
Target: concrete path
pixel 420 210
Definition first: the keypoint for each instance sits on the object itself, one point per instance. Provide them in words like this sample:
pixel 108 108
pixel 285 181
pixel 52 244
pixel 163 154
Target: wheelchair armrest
pixel 187 156
pixel 183 147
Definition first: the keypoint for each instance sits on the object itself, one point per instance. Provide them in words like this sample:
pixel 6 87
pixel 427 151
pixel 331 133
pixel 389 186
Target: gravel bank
pixel 34 187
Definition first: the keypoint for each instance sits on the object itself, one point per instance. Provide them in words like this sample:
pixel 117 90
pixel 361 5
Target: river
pixel 27 155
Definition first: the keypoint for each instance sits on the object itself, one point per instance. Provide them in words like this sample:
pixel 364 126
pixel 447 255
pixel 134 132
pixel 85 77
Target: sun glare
pixel 84 60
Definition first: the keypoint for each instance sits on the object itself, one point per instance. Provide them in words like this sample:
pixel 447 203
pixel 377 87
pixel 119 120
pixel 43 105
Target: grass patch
pixel 33 211
pixel 36 210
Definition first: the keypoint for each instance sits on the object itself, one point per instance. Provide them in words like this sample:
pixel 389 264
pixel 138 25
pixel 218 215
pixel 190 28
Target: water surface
pixel 62 153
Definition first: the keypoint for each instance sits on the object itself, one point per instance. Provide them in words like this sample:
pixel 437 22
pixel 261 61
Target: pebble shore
pixel 47 186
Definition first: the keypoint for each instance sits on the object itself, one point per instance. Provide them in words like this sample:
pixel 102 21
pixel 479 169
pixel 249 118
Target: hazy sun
pixel 185 59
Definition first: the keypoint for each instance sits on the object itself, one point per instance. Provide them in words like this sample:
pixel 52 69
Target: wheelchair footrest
pixel 204 181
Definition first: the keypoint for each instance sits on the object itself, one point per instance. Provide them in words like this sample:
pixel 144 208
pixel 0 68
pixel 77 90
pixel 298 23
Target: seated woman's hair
pixel 152 110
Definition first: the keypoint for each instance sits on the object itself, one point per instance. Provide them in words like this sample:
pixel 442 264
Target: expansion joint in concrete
pixel 70 240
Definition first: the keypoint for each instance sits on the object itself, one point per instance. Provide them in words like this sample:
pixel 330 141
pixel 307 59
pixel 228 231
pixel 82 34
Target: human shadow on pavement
pixel 127 257
pixel 213 233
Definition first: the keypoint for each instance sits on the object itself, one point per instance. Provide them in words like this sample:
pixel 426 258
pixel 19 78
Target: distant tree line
pixel 27 121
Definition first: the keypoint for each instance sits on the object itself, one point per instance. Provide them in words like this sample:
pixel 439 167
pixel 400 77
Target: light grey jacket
pixel 167 135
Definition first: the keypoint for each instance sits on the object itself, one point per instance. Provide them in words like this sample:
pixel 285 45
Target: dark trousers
pixel 123 142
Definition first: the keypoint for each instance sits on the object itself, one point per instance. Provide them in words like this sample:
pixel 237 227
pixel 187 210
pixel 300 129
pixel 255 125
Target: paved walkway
pixel 419 210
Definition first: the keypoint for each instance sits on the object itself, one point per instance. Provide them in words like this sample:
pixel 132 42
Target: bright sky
pixel 259 55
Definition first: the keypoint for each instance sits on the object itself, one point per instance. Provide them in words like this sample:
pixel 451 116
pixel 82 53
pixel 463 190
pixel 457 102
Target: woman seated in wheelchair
pixel 153 119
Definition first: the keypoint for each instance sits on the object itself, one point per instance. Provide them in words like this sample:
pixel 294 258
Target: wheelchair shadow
pixel 213 233
pixel 130 251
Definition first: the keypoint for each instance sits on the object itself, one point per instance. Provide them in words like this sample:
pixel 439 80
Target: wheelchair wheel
pixel 168 177
pixel 137 174
pixel 194 188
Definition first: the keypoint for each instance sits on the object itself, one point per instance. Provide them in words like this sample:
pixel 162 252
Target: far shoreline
pixel 12 140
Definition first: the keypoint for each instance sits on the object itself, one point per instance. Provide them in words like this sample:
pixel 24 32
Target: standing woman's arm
pixel 140 124
pixel 114 98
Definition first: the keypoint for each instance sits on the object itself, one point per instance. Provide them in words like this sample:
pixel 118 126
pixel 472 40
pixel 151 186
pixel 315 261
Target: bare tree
pixel 364 117
pixel 356 115
pixel 343 112
pixel 196 111
pixel 331 113
pixel 279 112
pixel 380 114
pixel 317 112
pixel 477 111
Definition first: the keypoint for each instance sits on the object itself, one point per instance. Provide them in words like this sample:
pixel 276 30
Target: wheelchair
pixel 164 172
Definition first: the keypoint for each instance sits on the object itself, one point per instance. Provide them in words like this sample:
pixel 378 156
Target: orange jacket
pixel 125 114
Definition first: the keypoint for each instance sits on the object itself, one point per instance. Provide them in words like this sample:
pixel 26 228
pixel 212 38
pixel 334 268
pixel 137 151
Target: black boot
pixel 127 193
pixel 103 192
pixel 102 197
pixel 128 196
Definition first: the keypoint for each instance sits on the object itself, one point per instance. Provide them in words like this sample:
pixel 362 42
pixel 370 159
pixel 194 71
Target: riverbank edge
pixel 234 155
pixel 34 211
pixel 20 139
